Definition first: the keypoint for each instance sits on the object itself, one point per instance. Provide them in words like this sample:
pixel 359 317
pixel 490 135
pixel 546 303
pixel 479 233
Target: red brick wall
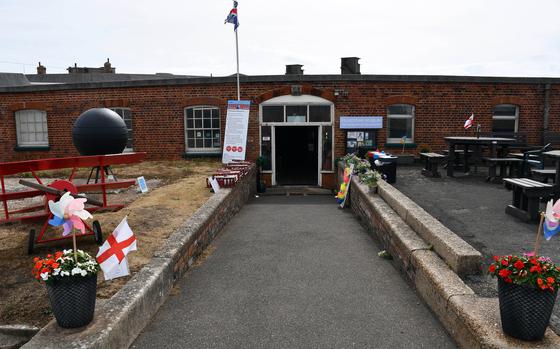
pixel 158 126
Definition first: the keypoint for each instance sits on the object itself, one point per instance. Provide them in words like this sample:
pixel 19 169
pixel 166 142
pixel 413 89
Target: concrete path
pixel 294 272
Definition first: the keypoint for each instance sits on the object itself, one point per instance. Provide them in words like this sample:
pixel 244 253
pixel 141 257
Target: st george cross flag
pixel 551 225
pixel 112 254
pixel 469 122
pixel 232 16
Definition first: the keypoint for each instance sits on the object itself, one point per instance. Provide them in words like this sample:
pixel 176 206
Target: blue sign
pixel 358 122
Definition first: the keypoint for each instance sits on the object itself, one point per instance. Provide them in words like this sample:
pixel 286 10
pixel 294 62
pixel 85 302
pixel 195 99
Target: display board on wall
pixel 361 122
pixel 235 139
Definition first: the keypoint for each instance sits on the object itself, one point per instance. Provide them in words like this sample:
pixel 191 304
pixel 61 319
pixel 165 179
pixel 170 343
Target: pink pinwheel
pixel 69 212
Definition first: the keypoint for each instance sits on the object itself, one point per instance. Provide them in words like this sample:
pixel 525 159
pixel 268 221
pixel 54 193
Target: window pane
pixel 296 113
pixel 216 143
pixel 191 143
pixel 504 110
pixel 189 113
pixel 503 125
pixel 198 123
pixel 400 127
pixel 266 148
pixel 273 113
pixel 207 123
pixel 319 113
pixel 400 109
pixel 198 143
pixel 208 134
pixel 216 134
pixel 207 143
pixel 327 148
pixel 197 113
pixel 190 123
pixel 215 123
pixel 207 114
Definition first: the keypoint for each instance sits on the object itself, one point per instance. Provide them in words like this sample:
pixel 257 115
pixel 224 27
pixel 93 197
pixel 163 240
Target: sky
pixel 428 37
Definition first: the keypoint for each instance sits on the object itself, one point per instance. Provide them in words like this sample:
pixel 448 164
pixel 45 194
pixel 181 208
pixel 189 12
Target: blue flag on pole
pixel 232 16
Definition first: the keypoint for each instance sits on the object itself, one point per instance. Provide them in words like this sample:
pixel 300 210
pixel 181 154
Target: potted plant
pixel 527 289
pixel 370 178
pixel 71 281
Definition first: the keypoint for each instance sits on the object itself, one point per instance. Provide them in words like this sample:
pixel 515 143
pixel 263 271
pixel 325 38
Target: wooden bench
pixel 526 197
pixel 431 165
pixel 546 174
pixel 459 157
pixel 505 164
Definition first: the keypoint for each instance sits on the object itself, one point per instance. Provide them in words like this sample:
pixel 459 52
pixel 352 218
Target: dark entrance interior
pixel 296 155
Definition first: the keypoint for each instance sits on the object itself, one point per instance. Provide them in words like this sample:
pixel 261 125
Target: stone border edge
pixel 119 320
pixel 472 321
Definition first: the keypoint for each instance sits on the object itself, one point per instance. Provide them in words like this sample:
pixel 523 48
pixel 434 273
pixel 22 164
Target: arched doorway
pixel 297 139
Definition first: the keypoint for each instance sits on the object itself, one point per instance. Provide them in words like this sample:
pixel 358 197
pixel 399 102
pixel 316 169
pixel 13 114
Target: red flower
pixel 57 255
pixel 492 268
pixel 505 263
pixel 55 265
pixel 533 261
pixel 519 264
pixel 504 273
pixel 496 258
pixel 508 280
pixel 550 280
pixel 536 268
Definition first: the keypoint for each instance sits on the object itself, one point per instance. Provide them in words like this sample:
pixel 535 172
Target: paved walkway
pixel 294 272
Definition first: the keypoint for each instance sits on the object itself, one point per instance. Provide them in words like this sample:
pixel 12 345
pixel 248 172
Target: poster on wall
pixel 235 139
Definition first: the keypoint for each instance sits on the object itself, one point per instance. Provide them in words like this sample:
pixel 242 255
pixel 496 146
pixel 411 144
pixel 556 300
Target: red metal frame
pixel 101 161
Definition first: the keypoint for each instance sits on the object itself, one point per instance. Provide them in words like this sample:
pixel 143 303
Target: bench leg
pixel 435 169
pixel 491 172
pixel 533 208
pixel 516 202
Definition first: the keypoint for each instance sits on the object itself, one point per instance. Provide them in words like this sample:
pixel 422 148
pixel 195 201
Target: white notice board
pixel 235 140
pixel 361 122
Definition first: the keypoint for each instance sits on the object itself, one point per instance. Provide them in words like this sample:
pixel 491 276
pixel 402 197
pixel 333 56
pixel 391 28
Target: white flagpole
pixel 237 56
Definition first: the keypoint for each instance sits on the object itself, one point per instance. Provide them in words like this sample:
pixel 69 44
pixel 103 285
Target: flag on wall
pixel 232 16
pixel 469 122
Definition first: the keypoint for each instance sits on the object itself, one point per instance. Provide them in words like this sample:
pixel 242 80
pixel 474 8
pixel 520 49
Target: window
pixel 202 125
pixel 31 128
pixel 126 115
pixel 400 123
pixel 505 118
pixel 297 109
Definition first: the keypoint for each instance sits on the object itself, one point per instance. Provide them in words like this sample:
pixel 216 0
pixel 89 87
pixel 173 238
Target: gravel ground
pixel 475 210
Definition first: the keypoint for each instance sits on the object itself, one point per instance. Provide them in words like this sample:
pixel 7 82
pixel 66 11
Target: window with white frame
pixel 505 118
pixel 400 123
pixel 202 127
pixel 126 115
pixel 31 128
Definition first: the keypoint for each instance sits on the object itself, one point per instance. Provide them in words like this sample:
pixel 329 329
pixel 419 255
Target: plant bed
pixel 177 190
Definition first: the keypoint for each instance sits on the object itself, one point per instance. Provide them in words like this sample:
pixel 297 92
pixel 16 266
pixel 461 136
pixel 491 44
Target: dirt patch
pixel 177 190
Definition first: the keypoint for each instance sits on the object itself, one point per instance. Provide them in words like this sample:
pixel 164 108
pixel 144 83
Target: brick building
pixel 294 118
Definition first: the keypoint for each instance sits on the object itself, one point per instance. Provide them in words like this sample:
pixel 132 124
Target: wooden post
pixel 539 235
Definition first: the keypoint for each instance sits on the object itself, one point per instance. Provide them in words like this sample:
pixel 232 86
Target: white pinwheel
pixel 69 212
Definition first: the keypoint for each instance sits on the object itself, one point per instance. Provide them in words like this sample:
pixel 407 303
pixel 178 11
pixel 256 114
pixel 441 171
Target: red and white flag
pixel 469 122
pixel 114 250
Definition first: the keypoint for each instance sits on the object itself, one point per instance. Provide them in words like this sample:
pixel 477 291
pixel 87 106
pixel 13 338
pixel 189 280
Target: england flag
pixel 112 254
pixel 469 122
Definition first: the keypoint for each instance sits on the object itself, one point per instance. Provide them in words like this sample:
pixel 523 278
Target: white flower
pixel 76 270
pixel 45 276
pixel 64 273
pixel 67 251
pixel 56 271
pixel 84 273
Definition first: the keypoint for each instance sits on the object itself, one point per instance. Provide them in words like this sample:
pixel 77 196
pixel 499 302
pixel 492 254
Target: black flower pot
pixel 73 300
pixel 525 311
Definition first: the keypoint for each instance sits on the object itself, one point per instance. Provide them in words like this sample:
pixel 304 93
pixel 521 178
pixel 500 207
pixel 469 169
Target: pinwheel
pixel 69 212
pixel 551 219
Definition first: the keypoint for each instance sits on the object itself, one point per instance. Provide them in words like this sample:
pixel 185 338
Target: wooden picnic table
pixel 555 154
pixel 476 143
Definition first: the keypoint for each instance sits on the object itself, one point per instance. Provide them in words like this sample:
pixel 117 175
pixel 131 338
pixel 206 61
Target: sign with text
pixel 357 122
pixel 235 140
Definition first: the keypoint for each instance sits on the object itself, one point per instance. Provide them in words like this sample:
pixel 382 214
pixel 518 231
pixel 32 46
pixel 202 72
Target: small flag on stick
pixel 469 122
pixel 232 17
pixel 112 254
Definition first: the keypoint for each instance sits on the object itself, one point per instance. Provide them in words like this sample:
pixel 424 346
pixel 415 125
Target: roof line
pixel 284 79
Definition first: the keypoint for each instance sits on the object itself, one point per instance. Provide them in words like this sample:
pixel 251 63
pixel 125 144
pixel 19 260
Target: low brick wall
pixel 119 320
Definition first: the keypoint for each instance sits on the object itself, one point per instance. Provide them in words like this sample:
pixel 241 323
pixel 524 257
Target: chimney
pixel 41 69
pixel 349 65
pixel 107 66
pixel 294 69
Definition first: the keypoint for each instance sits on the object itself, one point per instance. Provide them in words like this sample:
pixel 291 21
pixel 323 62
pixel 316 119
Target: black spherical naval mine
pixel 99 131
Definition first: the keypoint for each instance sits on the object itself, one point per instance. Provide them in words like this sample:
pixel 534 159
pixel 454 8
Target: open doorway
pixel 296 149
